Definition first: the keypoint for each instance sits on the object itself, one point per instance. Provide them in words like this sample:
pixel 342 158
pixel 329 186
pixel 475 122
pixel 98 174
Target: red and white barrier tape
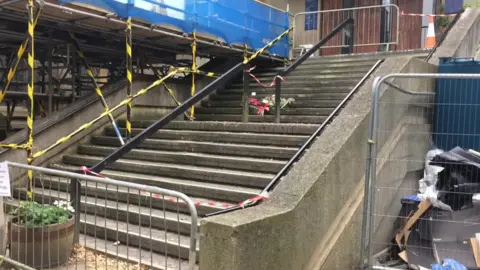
pixel 427 15
pixel 272 84
pixel 260 197
pixel 86 170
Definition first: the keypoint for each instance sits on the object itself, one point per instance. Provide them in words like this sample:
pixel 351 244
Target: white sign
pixel 5 190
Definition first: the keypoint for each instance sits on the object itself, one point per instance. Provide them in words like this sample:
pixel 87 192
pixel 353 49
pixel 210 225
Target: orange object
pixel 430 41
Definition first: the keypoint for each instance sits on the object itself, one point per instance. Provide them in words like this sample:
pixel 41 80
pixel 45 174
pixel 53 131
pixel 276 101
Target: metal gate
pixel 420 207
pixel 376 28
pixel 118 224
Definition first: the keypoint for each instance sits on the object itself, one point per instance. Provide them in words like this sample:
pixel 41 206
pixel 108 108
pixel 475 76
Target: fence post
pixel 352 43
pixel 278 92
pixel 75 193
pixel 246 93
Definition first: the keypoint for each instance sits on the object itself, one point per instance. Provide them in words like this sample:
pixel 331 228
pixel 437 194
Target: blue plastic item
pixel 449 264
pixel 457 106
pixel 453 6
pixel 235 21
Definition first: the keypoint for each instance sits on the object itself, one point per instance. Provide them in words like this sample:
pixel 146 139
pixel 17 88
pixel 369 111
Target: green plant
pixel 467 5
pixel 442 22
pixel 33 215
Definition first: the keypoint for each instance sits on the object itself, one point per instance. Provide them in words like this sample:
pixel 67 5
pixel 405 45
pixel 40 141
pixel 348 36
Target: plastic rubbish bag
pixel 430 174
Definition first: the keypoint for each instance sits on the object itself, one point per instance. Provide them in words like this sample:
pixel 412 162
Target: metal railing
pixel 415 213
pixel 377 27
pixel 114 224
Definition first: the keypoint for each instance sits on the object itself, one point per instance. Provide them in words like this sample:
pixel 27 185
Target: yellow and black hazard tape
pixel 128 43
pixel 95 85
pixel 14 146
pixel 30 91
pixel 169 90
pixel 207 74
pixel 194 70
pixel 270 44
pixel 21 51
pixel 106 113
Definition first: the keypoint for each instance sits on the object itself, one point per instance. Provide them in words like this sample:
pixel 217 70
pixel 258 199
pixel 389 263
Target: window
pixel 311 20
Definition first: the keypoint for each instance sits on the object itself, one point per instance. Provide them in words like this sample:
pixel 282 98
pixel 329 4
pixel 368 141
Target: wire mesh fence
pixel 421 205
pixel 111 224
pixel 376 28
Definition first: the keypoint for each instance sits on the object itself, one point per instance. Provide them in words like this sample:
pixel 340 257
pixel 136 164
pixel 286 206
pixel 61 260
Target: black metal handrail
pixel 149 131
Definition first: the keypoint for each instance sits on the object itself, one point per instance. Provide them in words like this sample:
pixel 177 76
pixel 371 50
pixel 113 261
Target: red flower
pixel 261 107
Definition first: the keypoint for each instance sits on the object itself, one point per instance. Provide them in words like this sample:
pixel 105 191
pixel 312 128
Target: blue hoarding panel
pixel 457 106
pixel 236 22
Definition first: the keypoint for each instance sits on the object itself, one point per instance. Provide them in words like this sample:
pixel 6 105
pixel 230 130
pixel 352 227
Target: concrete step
pixel 285 129
pixel 213 191
pixel 188 158
pixel 245 150
pixel 296 104
pixel 307 76
pixel 124 195
pixel 338 60
pixel 129 253
pixel 340 81
pixel 155 240
pixel 323 65
pixel 262 118
pixel 206 174
pixel 267 78
pixel 314 96
pixel 263 139
pixel 286 91
pixel 146 258
pixel 284 111
pixel 345 70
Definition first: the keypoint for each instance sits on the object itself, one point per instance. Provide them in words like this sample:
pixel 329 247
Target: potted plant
pixel 42 235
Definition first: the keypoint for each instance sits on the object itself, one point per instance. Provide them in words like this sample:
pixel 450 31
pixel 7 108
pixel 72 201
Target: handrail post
pixel 246 93
pixel 278 92
pixel 75 190
pixel 352 43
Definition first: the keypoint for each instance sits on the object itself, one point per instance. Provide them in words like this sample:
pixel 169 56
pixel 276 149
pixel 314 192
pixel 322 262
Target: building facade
pixel 373 26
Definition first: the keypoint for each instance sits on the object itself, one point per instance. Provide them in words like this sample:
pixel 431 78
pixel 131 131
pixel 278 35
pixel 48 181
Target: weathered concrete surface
pixel 283 232
pixel 463 39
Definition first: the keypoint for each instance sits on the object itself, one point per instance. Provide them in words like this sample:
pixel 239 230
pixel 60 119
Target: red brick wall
pixel 410 27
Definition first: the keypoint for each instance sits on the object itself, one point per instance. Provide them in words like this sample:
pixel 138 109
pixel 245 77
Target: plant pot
pixel 43 247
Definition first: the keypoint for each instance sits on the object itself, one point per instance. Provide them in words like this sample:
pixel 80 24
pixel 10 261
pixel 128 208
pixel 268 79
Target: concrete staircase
pixel 215 162
pixel 317 86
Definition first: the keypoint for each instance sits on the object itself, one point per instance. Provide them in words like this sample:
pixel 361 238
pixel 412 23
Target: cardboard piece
pixel 476 250
pixel 422 208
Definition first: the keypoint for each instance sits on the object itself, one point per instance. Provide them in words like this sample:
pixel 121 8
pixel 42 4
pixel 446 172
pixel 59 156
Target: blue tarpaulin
pixel 236 22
